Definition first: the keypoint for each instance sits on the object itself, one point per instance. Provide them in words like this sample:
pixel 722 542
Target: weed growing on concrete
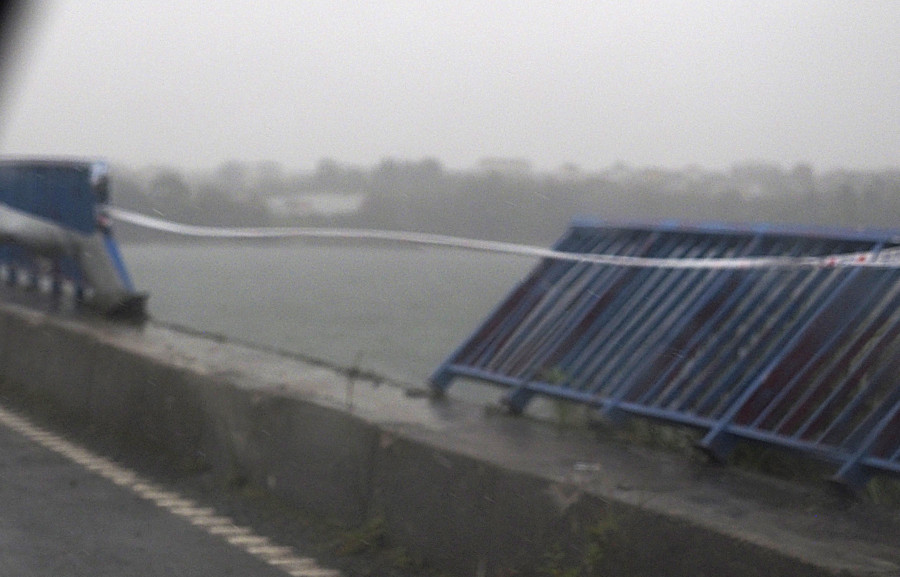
pixel 588 563
pixel 777 463
pixel 884 491
pixel 567 414
pixel 368 539
pixel 570 415
pixel 555 565
pixel 599 536
pixel 402 560
pixel 658 436
pixel 554 376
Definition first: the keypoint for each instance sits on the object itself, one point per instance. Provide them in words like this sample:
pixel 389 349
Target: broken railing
pixel 783 336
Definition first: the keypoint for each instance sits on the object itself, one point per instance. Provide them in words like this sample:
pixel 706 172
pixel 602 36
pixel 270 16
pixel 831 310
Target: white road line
pixel 173 503
pixel 271 550
pixel 248 540
pixel 313 573
pixel 211 521
pixel 154 494
pixel 303 568
pixel 192 511
pixel 122 478
pixel 219 526
pixel 228 529
pixel 293 564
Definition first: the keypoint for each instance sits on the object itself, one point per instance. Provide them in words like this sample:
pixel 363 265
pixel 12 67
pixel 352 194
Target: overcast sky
pixel 648 83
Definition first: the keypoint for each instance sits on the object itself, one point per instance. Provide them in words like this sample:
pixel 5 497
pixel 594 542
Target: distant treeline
pixel 522 206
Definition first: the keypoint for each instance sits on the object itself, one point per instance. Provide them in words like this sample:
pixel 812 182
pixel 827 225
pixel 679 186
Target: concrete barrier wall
pixel 461 513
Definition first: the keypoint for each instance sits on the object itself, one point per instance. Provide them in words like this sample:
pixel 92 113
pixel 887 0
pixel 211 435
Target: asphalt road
pixel 66 512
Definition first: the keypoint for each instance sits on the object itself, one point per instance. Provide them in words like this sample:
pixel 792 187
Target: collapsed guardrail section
pixel 802 357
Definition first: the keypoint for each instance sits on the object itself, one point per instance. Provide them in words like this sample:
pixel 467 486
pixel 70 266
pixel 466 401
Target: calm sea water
pixel 394 311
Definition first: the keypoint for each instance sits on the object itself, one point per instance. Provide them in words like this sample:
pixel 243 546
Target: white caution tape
pixel 888 258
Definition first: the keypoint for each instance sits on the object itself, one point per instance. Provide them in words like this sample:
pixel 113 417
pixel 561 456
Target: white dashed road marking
pixel 284 558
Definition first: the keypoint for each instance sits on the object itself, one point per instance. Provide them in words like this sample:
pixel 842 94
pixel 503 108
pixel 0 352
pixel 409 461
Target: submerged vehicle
pixel 54 224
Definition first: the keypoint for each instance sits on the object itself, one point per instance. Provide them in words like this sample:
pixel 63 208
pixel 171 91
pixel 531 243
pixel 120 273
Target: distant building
pixel 505 166
pixel 315 204
pixel 569 171
pixel 756 179
pixel 619 172
pixel 757 170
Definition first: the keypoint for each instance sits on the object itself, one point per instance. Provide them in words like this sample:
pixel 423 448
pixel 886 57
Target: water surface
pixel 396 311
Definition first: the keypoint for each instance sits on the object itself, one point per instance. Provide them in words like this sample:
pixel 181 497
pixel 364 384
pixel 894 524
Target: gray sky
pixel 649 83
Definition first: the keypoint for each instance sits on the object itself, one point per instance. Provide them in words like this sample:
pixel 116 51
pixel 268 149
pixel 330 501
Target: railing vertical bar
pixel 752 365
pixel 710 440
pixel 835 362
pixel 851 408
pixel 575 302
pixel 681 290
pixel 622 310
pixel 826 348
pixel 547 291
pixel 703 300
pixel 638 323
pixel 546 274
pixel 745 320
pixel 850 471
pixel 442 376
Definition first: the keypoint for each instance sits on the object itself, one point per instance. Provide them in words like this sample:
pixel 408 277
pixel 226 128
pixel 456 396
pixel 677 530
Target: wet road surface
pixel 65 511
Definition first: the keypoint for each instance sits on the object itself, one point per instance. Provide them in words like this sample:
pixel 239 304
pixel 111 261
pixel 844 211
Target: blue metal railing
pixel 803 358
pixel 54 227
